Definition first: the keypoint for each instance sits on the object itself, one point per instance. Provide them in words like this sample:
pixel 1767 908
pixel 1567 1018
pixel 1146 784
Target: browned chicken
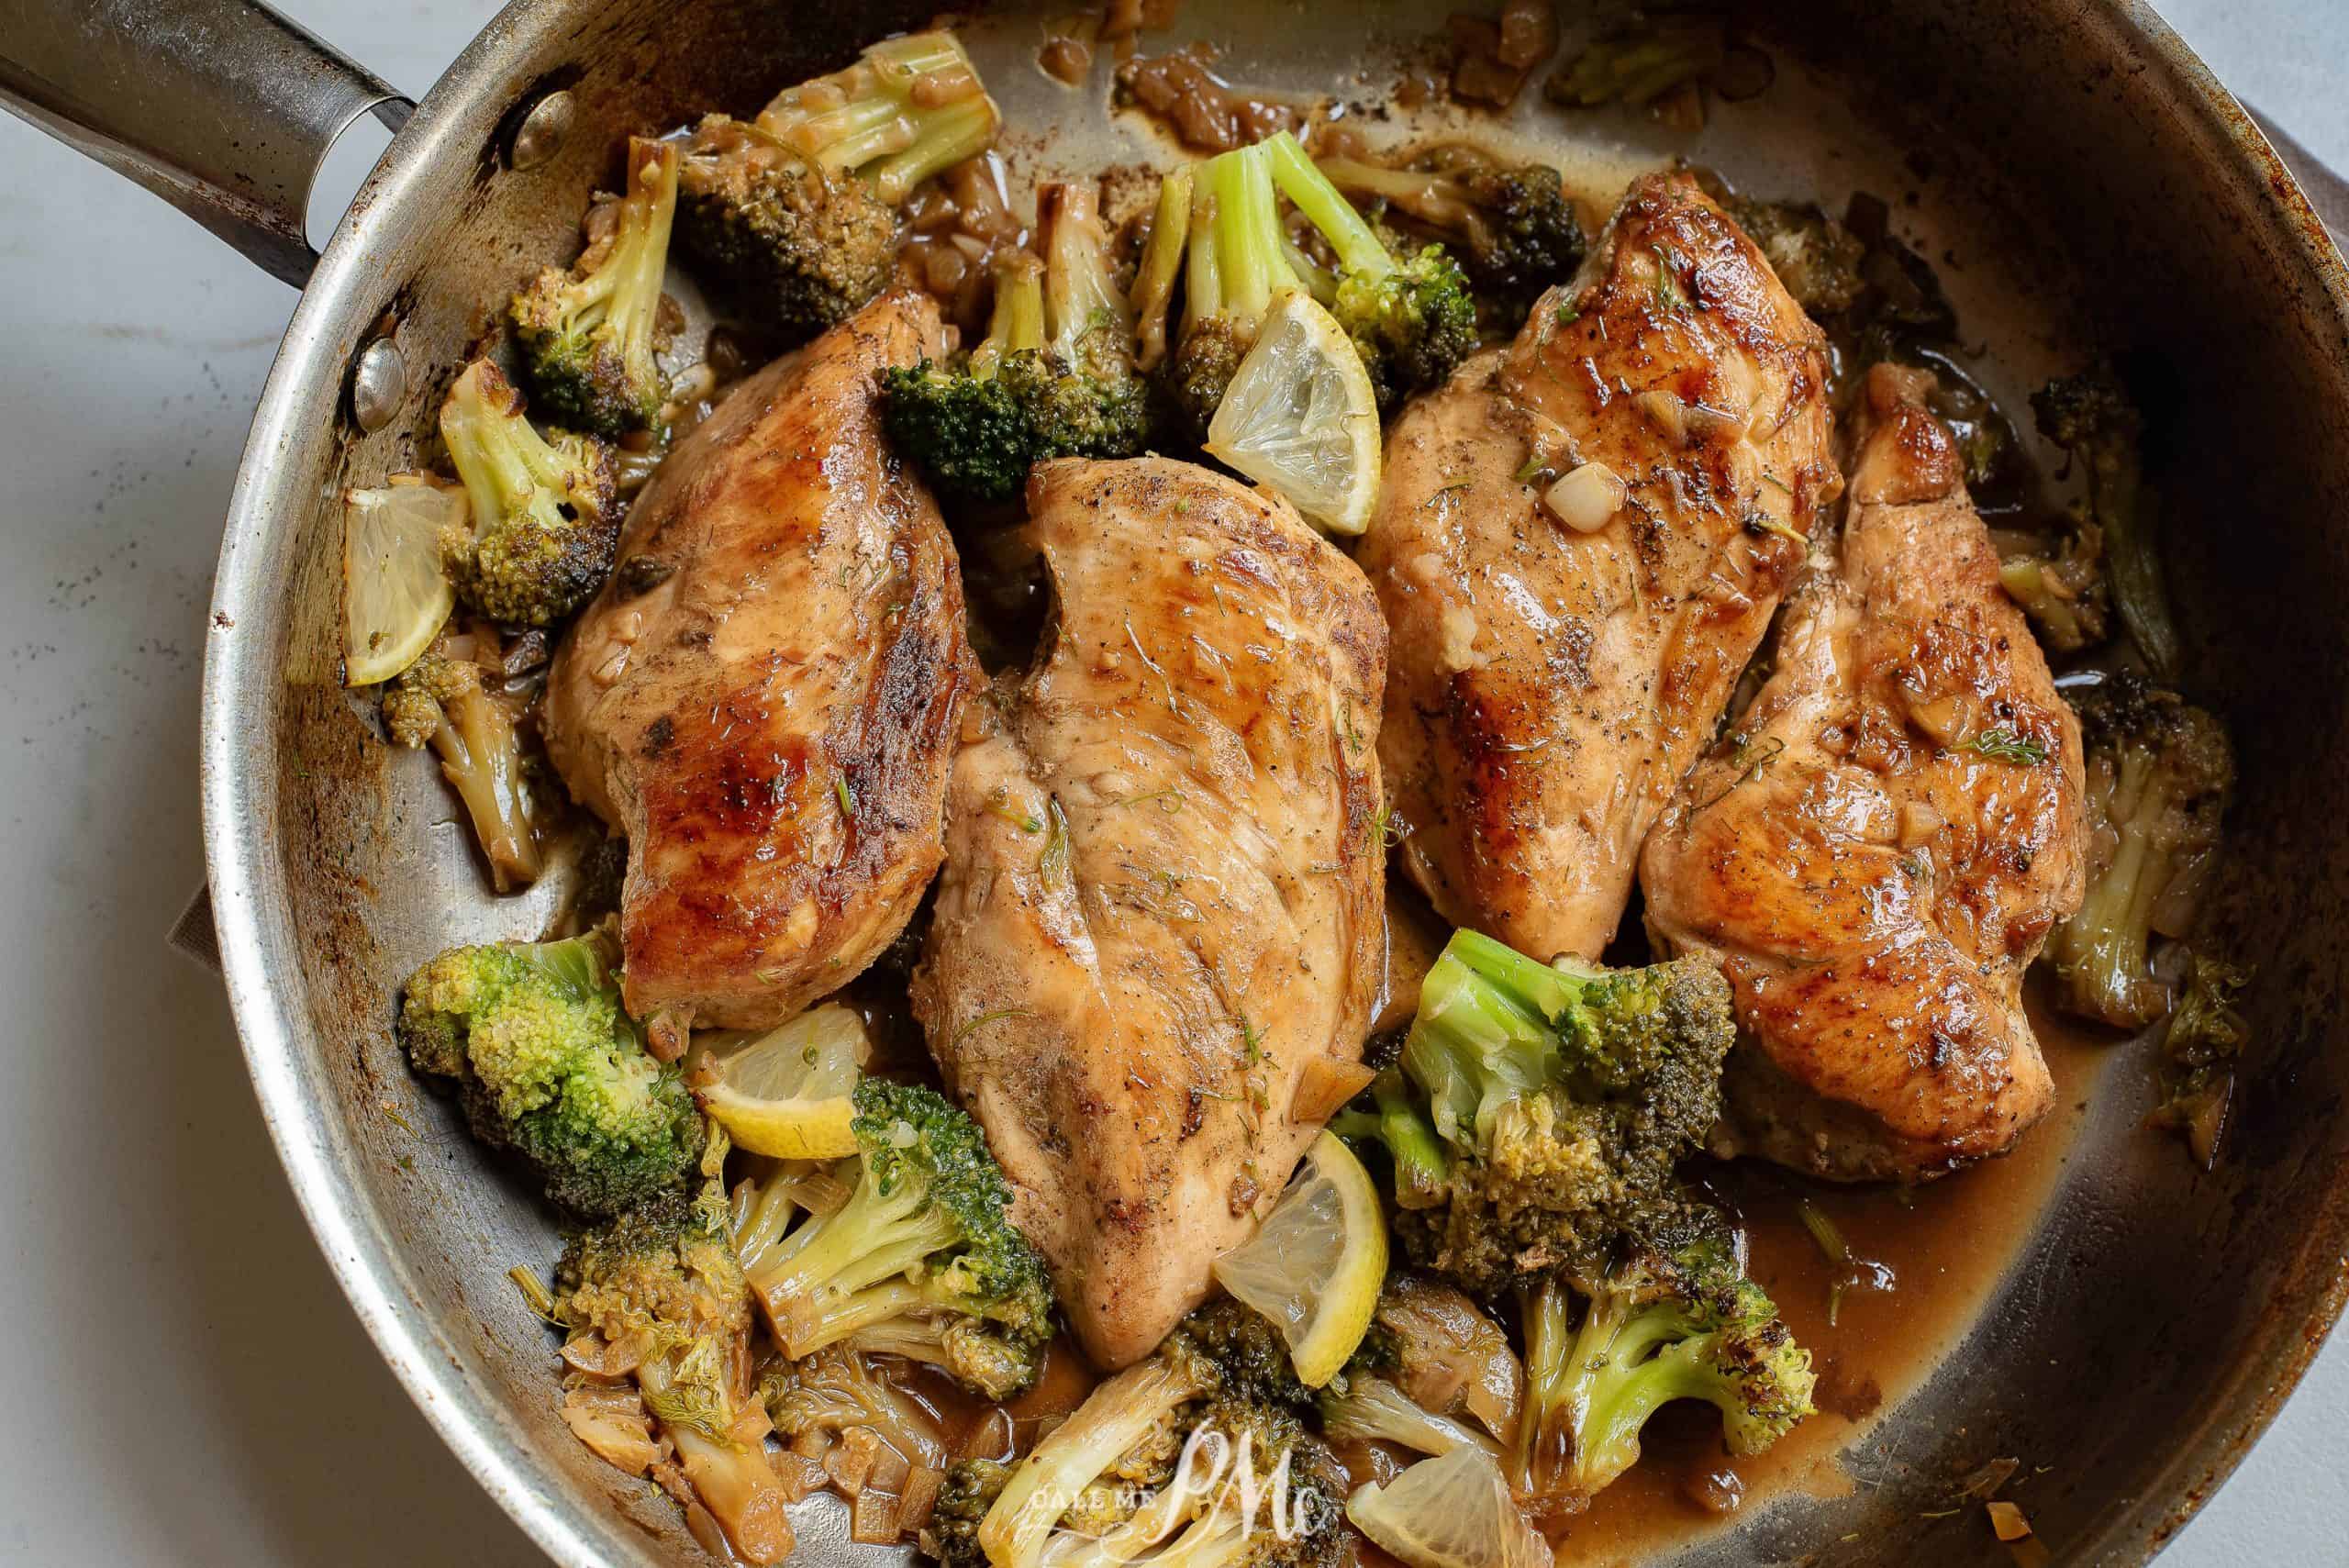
pixel 1877 851
pixel 764 697
pixel 1159 935
pixel 1559 666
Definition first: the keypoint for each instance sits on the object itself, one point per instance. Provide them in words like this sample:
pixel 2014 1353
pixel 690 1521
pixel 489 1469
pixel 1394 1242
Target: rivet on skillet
pixel 539 136
pixel 378 384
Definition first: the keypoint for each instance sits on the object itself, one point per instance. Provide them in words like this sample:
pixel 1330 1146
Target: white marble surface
pixel 201 1394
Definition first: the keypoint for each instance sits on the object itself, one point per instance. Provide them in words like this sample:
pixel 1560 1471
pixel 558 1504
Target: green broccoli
pixel 920 1261
pixel 661 1289
pixel 442 701
pixel 2159 774
pixel 591 333
pixel 1195 1454
pixel 545 514
pixel 1513 228
pixel 549 1064
pixel 2090 418
pixel 1683 1324
pixel 2204 1037
pixel 799 211
pixel 837 1391
pixel 1412 319
pixel 1054 377
pixel 1546 1107
pixel 1642 62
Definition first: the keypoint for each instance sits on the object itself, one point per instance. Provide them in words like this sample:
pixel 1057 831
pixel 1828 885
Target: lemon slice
pixel 786 1093
pixel 395 593
pixel 1453 1511
pixel 1314 1265
pixel 1301 418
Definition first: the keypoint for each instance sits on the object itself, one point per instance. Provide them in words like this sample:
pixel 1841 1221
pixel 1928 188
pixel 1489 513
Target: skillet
pixel 2097 189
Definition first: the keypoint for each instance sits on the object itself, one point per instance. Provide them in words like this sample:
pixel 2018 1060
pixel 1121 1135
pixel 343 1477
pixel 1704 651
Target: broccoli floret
pixel 1552 1103
pixel 1195 1454
pixel 799 211
pixel 2090 418
pixel 2205 1035
pixel 1054 377
pixel 1362 1404
pixel 2159 773
pixel 661 1289
pixel 1412 319
pixel 1815 257
pixel 545 518
pixel 1685 1325
pixel 2058 579
pixel 549 1065
pixel 441 701
pixel 591 333
pixel 1513 229
pixel 921 1260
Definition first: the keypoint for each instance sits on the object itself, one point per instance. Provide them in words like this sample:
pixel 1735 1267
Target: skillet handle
pixel 222 107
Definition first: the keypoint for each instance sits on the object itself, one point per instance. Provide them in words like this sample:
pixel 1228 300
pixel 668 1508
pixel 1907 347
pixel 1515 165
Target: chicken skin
pixel 1159 935
pixel 1876 851
pixel 1554 677
pixel 764 697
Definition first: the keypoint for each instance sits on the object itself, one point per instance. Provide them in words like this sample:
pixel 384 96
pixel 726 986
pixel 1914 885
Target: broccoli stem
pixel 482 760
pixel 1439 203
pixel 908 109
pixel 1238 261
pixel 1081 297
pixel 1557 1386
pixel 507 466
pixel 843 1272
pixel 1017 322
pixel 1162 264
pixel 1375 1410
pixel 1357 245
pixel 1114 1417
pixel 1488 1008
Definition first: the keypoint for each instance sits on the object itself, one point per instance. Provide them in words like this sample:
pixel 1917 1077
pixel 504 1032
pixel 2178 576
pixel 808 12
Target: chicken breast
pixel 1159 935
pixel 1551 678
pixel 764 697
pixel 1877 852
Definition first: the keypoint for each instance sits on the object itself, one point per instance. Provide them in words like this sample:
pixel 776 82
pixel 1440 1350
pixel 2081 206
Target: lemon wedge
pixel 1301 418
pixel 1314 1266
pixel 786 1093
pixel 1453 1511
pixel 395 592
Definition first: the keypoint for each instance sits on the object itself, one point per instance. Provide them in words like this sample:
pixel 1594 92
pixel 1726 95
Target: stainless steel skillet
pixel 2096 189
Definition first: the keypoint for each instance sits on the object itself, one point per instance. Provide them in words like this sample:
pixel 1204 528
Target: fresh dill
pixel 2007 746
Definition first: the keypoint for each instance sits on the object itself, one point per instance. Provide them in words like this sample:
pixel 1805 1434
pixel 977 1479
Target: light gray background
pixel 195 1390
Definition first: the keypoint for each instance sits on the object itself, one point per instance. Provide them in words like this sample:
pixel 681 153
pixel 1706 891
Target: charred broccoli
pixel 1538 1111
pixel 1054 377
pixel 545 520
pixel 798 211
pixel 1514 228
pixel 2159 773
pixel 1816 258
pixel 549 1064
pixel 658 1291
pixel 1660 1327
pixel 2205 1035
pixel 1412 319
pixel 441 701
pixel 1195 1454
pixel 590 334
pixel 920 1259
pixel 2090 418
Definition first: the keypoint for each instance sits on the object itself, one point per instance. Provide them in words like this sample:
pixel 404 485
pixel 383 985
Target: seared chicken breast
pixel 1159 935
pixel 1554 675
pixel 764 697
pixel 1876 851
